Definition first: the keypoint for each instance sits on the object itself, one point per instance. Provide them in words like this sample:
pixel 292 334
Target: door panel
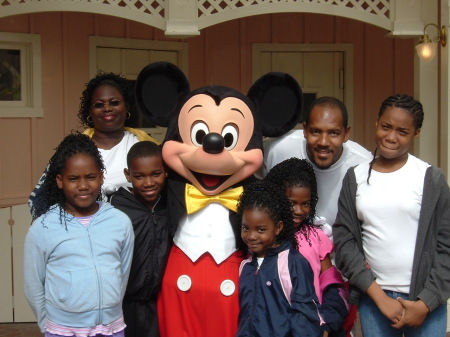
pixel 6 291
pixel 22 222
pixel 289 62
pixel 322 73
pixel 320 69
pixel 14 224
pixel 317 72
pixel 132 62
pixel 109 60
pixel 164 55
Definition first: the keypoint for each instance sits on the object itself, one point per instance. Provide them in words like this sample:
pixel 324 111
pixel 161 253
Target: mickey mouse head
pixel 215 133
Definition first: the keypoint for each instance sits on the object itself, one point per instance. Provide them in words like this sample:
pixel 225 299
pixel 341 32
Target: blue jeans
pixel 375 324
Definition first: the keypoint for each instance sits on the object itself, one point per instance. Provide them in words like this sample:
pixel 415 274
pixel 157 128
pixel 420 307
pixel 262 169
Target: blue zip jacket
pixel 76 276
pixel 278 299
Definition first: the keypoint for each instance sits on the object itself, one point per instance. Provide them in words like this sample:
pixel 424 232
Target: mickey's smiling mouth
pixel 210 182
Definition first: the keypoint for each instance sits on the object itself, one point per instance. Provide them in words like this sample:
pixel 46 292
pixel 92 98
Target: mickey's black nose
pixel 213 143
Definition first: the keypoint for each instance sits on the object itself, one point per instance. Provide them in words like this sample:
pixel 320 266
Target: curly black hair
pixel 295 172
pixel 263 195
pixel 51 195
pixel 114 80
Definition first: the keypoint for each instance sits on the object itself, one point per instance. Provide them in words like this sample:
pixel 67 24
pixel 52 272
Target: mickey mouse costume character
pixel 213 145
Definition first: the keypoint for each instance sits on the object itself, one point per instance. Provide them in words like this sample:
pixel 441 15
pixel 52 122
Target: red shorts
pixel 197 299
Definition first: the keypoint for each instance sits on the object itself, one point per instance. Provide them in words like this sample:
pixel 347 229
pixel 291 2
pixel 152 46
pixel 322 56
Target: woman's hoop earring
pixel 89 119
pixel 128 115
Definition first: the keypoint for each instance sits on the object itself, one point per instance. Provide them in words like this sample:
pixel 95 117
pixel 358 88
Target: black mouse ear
pixel 279 102
pixel 159 87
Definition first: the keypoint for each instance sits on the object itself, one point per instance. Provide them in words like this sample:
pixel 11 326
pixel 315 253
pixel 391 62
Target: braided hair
pixel 112 80
pixel 404 102
pixel 268 197
pixel 51 195
pixel 295 172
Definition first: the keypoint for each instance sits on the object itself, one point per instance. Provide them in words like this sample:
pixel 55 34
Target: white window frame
pixel 30 104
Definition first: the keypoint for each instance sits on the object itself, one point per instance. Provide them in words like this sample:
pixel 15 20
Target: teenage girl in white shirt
pixel 392 232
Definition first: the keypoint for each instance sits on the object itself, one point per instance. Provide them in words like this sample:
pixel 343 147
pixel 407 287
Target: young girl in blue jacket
pixel 297 179
pixel 78 250
pixel 276 287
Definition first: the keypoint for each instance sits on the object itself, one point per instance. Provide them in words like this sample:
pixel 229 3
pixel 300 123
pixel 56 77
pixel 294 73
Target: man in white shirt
pixel 323 142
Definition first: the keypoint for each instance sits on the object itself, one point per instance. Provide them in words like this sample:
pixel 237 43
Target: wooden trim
pixel 97 41
pixel 8 202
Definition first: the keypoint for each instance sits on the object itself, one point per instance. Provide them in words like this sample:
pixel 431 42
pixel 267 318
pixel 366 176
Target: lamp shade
pixel 426 51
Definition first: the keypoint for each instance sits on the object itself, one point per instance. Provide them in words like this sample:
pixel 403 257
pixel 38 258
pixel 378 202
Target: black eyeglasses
pixel 101 105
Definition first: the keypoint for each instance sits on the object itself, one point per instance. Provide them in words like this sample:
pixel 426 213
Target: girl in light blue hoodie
pixel 78 250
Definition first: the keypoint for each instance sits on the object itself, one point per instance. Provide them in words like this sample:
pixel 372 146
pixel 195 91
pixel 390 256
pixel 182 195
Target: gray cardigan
pixel 430 279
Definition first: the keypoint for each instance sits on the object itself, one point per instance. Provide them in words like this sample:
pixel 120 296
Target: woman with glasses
pixel 107 109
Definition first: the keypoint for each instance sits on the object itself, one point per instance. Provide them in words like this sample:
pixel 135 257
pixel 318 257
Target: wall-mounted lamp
pixel 427 48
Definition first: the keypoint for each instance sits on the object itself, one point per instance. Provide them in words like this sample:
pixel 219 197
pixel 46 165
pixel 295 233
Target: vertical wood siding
pixel 220 55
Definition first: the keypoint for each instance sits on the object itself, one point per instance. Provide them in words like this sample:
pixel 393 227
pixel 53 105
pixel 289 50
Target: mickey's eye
pixel 198 132
pixel 231 135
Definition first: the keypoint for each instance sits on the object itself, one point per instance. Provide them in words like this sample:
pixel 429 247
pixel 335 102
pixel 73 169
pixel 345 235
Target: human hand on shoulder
pixel 415 313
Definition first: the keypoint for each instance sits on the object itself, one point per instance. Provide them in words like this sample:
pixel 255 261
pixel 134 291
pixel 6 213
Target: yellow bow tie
pixel 196 200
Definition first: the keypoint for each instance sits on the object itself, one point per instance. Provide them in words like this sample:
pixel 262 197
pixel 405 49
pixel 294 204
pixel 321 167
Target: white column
pixel 406 17
pixel 181 18
pixel 444 91
pixel 445 109
pixel 426 90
